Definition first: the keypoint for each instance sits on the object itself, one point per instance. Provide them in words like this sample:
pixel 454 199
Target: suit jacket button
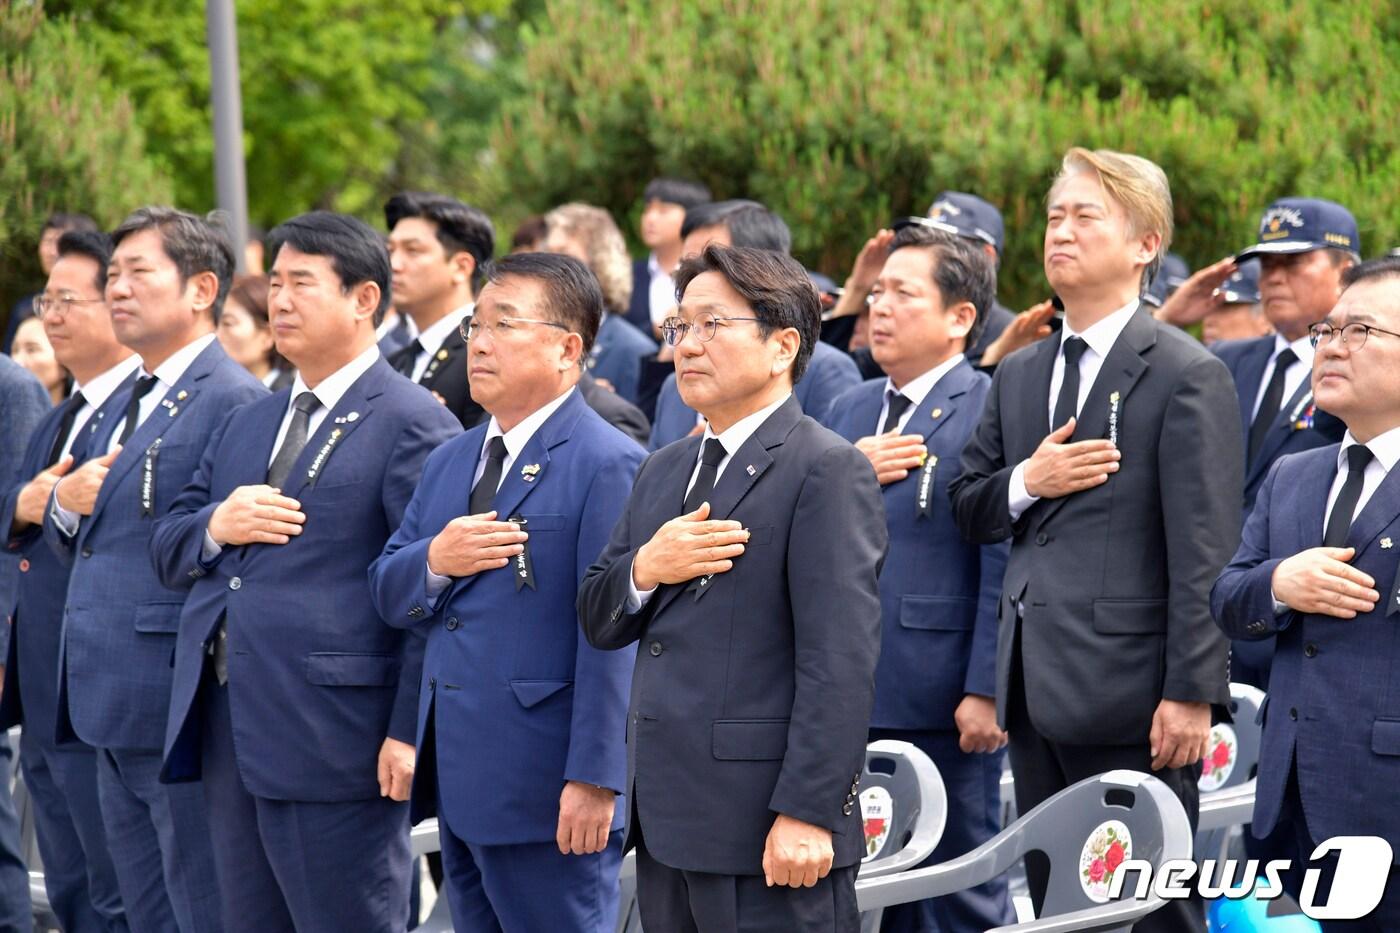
pixel 847 808
pixel 87 552
pixel 1310 650
pixel 452 624
pixel 235 583
pixel 655 649
pixel 1042 538
pixel 1293 713
pixel 24 565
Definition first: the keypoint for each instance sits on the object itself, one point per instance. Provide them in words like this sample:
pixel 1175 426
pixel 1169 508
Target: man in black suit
pixel 754 680
pixel 1111 456
pixel 437 249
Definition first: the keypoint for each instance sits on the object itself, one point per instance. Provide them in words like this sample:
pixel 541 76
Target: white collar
pixel 517 437
pixel 435 333
pixel 740 431
pixel 100 388
pixel 169 372
pixel 918 388
pixel 653 267
pixel 1103 334
pixel 330 389
pixel 1385 447
pixel 1302 348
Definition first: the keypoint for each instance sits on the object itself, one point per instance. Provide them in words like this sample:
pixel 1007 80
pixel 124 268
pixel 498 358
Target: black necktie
pixel 1272 401
pixel 407 358
pixel 484 492
pixel 704 484
pixel 65 425
pixel 896 404
pixel 1067 404
pixel 143 386
pixel 1343 510
pixel 295 440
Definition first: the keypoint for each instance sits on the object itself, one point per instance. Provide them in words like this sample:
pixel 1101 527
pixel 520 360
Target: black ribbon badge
pixel 524 569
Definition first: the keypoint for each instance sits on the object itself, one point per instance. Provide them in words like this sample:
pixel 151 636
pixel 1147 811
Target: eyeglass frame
pixel 464 325
pixel 674 328
pixel 40 302
pixel 1315 338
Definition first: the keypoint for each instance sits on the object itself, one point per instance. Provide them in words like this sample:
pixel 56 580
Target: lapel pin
pixel 181 395
pixel 353 416
pixel 751 470
pixel 442 354
pixel 173 410
pixel 167 403
pixel 1387 544
pixel 937 413
pixel 529 471
pixel 340 419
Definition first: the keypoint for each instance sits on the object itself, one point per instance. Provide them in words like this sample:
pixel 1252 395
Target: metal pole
pixel 229 181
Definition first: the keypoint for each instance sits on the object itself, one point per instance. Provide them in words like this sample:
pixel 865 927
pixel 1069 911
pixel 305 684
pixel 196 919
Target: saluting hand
pixel 1321 580
pixel 395 769
pixel 1025 329
pixel 1058 468
pixel 585 818
pixel 893 455
pixel 473 543
pixel 256 515
pixel 688 547
pixel 77 492
pixel 29 505
pixel 796 854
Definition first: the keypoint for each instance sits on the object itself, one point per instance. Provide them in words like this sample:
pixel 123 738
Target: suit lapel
pixel 448 355
pixel 942 401
pixel 256 449
pixel 1036 399
pixel 523 477
pixel 1252 364
pixel 353 409
pixel 1379 512
pixel 1281 427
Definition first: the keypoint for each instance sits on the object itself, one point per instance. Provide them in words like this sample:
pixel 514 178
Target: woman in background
pixel 32 350
pixel 246 335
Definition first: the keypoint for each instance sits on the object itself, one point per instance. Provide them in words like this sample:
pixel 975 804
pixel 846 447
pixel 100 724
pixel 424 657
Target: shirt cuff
pixel 1017 499
pixel 636 598
pixel 64 520
pixel 436 583
pixel 210 549
pixel 1279 607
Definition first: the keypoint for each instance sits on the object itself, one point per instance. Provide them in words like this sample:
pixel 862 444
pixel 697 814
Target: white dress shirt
pixel 95 393
pixel 661 292
pixel 432 337
pixel 328 392
pixel 167 374
pixel 515 440
pixel 1100 338
pixel 1299 370
pixel 916 390
pixel 731 440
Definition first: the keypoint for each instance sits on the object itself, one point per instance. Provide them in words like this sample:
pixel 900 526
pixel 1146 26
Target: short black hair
pixel 530 234
pixel 94 244
pixel 356 252
pixel 750 224
pixel 774 285
pixel 460 227
pixel 1371 269
pixel 962 271
pixel 63 220
pixel 680 191
pixel 571 293
pixel 195 244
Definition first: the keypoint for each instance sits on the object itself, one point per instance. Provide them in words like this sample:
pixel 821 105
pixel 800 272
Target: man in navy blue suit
pixel 521 723
pixel 79 877
pixel 935 684
pixel 291 699
pixel 1317 570
pixel 1305 245
pixel 169 274
pixel 664 204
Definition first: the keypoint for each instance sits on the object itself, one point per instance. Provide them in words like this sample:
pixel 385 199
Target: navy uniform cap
pixel 1242 287
pixel 969 216
pixel 1301 225
pixel 1172 275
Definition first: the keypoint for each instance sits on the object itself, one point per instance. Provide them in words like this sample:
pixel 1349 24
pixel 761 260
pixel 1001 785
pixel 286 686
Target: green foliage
pixel 844 113
pixel 68 141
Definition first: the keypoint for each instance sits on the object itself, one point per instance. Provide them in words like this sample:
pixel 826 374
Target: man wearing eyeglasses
pixel 62 779
pixel 745 571
pixel 520 722
pixel 1317 571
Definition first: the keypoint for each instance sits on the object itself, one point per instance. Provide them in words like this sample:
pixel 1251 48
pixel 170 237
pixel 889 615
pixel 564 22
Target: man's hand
pixel 976 719
pixel 1198 296
pixel 395 769
pixel 1058 468
pixel 1028 327
pixel 256 515
pixel 585 818
pixel 1179 735
pixel 77 492
pixel 32 499
pixel 474 543
pixel 797 854
pixel 1321 581
pixel 893 455
pixel 864 273
pixel 688 547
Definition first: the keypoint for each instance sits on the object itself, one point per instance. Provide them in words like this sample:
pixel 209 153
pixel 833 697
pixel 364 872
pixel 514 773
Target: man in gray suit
pixel 1111 457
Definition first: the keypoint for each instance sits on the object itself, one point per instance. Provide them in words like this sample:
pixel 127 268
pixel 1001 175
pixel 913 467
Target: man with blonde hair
pixel 1111 457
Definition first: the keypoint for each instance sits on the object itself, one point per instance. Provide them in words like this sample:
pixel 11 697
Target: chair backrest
pixel 1232 755
pixel 904 805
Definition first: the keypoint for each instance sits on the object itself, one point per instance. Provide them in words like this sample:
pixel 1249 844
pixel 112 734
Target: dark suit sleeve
pixel 602 596
pixel 836 545
pixel 25 406
pixel 979 495
pixel 839 374
pixel 1201 470
pixel 601 678
pixel 982 662
pixel 421 437
pixel 177 538
pixel 398 578
pixel 1242 600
